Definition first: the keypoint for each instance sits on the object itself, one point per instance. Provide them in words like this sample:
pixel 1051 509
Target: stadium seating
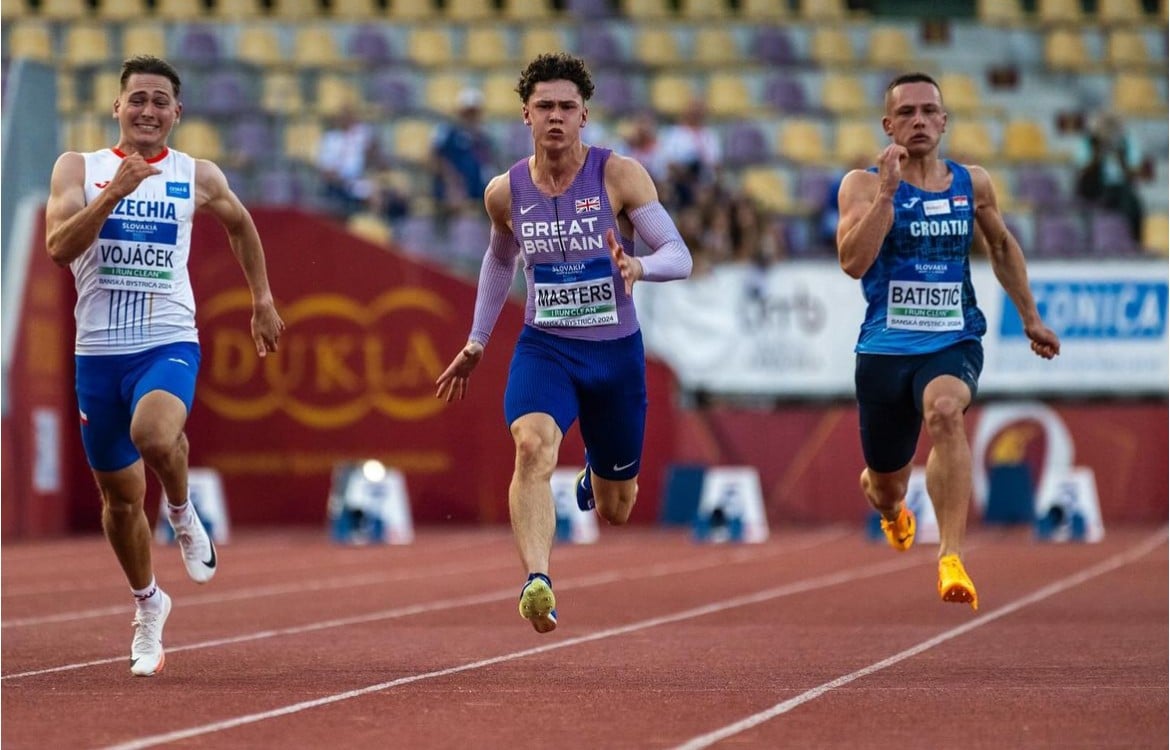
pixel 86 44
pixel 536 40
pixel 144 38
pixel 970 141
pixel 63 10
pixel 199 138
pixel 763 10
pixel 120 10
pixel 259 44
pixel 803 141
pixel 1156 233
pixel 31 40
pixel 528 11
pixel 714 47
pixel 468 11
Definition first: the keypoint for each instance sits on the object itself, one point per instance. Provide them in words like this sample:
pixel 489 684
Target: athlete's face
pixel 556 112
pixel 146 111
pixel 915 117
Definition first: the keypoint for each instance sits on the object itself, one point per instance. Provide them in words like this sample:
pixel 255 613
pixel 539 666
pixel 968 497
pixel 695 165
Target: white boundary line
pixel 790 589
pixel 1110 564
pixel 746 554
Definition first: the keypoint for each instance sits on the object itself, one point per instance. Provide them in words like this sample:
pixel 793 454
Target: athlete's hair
pixel 150 65
pixel 557 66
pixel 911 78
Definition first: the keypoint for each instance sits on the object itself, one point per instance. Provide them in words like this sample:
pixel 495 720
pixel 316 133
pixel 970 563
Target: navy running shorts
pixel 889 398
pixel 110 386
pixel 600 383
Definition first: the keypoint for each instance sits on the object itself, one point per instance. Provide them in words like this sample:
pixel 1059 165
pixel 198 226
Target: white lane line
pixel 1124 558
pixel 790 589
pixel 746 554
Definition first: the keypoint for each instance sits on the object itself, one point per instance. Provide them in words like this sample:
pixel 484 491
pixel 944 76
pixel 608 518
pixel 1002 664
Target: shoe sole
pixel 958 590
pixel 537 603
pixel 906 541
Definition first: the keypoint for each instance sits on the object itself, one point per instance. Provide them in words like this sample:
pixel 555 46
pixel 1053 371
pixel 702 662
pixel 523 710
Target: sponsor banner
pixel 790 331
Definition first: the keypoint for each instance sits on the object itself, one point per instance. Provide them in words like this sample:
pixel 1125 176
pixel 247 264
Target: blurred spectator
pixel 692 153
pixel 462 158
pixel 641 141
pixel 1109 168
pixel 830 212
pixel 347 157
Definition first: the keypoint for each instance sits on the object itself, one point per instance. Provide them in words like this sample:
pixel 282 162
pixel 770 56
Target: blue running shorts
pixel 601 383
pixel 110 386
pixel 889 398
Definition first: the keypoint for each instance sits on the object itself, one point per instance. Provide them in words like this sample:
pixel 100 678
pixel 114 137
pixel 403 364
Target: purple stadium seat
pixel 786 94
pixel 252 139
pixel 771 44
pixel 225 92
pixel 1109 236
pixel 391 90
pixel 744 144
pixel 277 186
pixel 598 45
pixel 1039 186
pixel 199 45
pixel 614 92
pixel 589 9
pixel 369 45
pixel 1060 234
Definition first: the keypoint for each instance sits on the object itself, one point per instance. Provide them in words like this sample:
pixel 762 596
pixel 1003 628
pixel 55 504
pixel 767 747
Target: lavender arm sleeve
pixel 495 279
pixel 669 258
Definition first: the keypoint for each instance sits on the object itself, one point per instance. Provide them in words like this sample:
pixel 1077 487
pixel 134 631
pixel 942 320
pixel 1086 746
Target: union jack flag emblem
pixel 587 204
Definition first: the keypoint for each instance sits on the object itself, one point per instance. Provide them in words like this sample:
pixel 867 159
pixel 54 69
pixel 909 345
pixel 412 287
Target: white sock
pixel 148 598
pixel 178 513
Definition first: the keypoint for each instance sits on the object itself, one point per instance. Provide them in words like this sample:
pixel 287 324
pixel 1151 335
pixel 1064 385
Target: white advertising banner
pixel 789 331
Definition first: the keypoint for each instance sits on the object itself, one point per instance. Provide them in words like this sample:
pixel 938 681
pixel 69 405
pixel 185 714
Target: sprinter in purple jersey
pixel 906 231
pixel 570 211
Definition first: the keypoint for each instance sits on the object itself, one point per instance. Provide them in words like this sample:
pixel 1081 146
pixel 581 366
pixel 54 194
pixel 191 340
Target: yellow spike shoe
pixel 954 585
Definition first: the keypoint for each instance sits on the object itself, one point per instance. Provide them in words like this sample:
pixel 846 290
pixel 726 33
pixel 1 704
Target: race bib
pixel 575 294
pixel 137 255
pixel 926 296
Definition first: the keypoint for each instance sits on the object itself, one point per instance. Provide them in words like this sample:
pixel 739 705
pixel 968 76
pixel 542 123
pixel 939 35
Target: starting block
pixel 1067 507
pixel 368 503
pixel 731 506
pixel 205 491
pixel 919 502
pixel 573 524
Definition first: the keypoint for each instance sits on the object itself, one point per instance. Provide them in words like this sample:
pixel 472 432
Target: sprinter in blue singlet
pixel 906 230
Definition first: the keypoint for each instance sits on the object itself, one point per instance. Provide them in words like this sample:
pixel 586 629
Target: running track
pixel 815 639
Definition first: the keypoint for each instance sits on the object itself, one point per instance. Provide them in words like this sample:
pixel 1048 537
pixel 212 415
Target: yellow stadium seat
pixel 1127 49
pixel 769 188
pixel 528 11
pixel 63 10
pixel 1004 197
pixel 890 47
pixel 121 10
pixel 13 10
pixel 1000 12
pixel 1060 12
pixel 145 38
pixel 355 10
pixel 335 93
pixel 237 10
pixel 413 10
pixel 369 227
pixel 764 10
pixel 856 138
pixel 704 10
pixel 1120 12
pixel 670 93
pixel 66 92
pixel 970 141
pixel 442 92
pixel 301 139
pixel 1065 50
pixel 281 93
pixel 728 96
pixel 487 46
pixel 823 10
pixel 536 39
pixel 1156 233
pixel 715 46
pixel 259 44
pixel 961 94
pixel 106 87
pixel 832 47
pixel 1138 95
pixel 1025 140
pixel 412 140
pixel 429 46
pixel 646 10
pixel 199 138
pixel 657 46
pixel 31 40
pixel 314 46
pixel 178 10
pixel 499 96
pixel 843 94
pixel 296 10
pixel 469 11
pixel 802 141
pixel 89 132
pixel 86 44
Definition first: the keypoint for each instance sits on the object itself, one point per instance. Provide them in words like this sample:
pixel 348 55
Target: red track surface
pixel 817 638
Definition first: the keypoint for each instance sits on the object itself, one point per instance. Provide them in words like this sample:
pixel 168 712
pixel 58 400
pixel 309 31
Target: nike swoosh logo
pixel 911 203
pixel 211 563
pixel 526 209
pixel 180 361
pixel 623 468
pixel 101 185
